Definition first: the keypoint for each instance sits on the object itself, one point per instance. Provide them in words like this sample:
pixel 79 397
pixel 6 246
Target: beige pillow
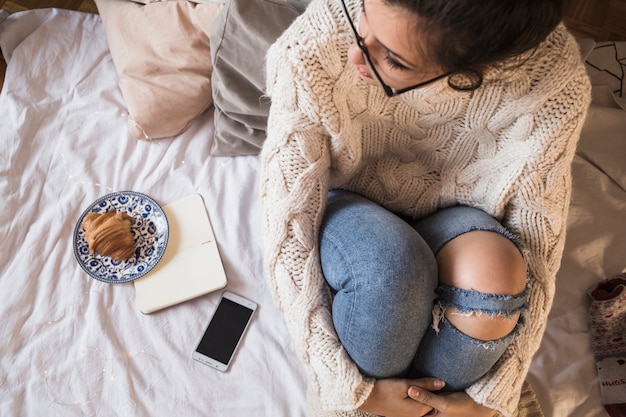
pixel 240 37
pixel 162 54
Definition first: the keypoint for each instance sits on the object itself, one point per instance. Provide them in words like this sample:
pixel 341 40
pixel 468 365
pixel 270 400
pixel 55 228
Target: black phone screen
pixel 224 331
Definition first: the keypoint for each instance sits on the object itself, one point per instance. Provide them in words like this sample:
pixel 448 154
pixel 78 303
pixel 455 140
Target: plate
pixel 150 231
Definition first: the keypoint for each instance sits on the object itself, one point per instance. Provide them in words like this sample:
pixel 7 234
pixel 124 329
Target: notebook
pixel 191 265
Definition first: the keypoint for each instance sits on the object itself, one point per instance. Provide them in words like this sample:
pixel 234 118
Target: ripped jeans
pixel 388 302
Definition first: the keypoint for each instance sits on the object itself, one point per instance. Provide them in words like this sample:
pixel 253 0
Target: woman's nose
pixel 355 56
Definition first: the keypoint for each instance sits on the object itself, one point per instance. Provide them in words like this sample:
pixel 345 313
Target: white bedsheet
pixel 74 346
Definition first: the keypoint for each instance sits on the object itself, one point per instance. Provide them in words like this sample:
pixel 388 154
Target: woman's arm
pixel 537 214
pixel 295 176
pixel 294 183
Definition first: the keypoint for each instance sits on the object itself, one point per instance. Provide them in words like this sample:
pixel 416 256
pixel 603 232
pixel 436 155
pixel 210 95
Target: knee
pixel 485 262
pixel 390 263
pixel 363 244
pixel 482 261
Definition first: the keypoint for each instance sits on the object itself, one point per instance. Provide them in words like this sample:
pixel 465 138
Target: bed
pixel 71 345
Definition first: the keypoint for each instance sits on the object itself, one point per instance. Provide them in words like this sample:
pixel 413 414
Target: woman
pixel 415 184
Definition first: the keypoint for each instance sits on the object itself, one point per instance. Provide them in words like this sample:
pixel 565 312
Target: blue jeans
pixel 387 296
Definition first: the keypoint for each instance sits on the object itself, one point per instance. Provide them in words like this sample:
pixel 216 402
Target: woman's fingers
pixel 454 404
pixel 390 397
pixel 430 384
pixel 426 397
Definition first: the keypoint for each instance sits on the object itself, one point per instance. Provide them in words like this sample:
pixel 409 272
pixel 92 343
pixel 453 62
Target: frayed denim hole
pixel 468 301
pixel 448 289
pixel 468 311
pixel 487 344
pixel 489 312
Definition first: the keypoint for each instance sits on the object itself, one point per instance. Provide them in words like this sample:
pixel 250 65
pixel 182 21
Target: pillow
pixel 240 38
pixel 161 52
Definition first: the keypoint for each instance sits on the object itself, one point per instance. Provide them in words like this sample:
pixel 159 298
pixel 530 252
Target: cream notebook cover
pixel 191 265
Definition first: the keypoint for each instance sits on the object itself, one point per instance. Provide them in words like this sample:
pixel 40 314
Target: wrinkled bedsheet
pixel 74 346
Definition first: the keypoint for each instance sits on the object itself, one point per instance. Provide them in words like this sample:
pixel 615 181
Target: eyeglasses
pixel 457 80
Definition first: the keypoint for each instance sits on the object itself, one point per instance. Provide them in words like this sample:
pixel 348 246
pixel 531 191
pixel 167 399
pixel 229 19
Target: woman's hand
pixel 454 404
pixel 390 397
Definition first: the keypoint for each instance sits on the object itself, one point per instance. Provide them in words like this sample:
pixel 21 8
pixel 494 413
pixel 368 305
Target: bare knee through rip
pixel 486 262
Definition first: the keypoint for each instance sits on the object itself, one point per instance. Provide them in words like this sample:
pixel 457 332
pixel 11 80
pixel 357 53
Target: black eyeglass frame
pixel 392 92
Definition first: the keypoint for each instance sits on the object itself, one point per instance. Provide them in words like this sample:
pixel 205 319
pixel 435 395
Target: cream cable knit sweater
pixel 505 148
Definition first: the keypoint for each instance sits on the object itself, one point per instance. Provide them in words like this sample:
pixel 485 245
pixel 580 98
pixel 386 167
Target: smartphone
pixel 225 331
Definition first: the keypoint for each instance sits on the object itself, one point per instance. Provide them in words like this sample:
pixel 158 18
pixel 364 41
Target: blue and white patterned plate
pixel 150 231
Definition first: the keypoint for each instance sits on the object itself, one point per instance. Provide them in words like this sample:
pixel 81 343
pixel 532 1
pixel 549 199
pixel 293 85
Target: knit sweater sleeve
pixel 537 213
pixel 294 184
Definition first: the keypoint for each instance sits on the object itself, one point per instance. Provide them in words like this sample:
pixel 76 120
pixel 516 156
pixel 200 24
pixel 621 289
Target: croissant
pixel 109 234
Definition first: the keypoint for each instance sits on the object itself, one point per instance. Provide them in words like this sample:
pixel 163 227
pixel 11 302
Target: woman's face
pixel 395 48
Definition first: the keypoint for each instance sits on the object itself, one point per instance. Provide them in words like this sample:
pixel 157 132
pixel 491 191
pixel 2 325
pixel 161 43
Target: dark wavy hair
pixel 467 36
